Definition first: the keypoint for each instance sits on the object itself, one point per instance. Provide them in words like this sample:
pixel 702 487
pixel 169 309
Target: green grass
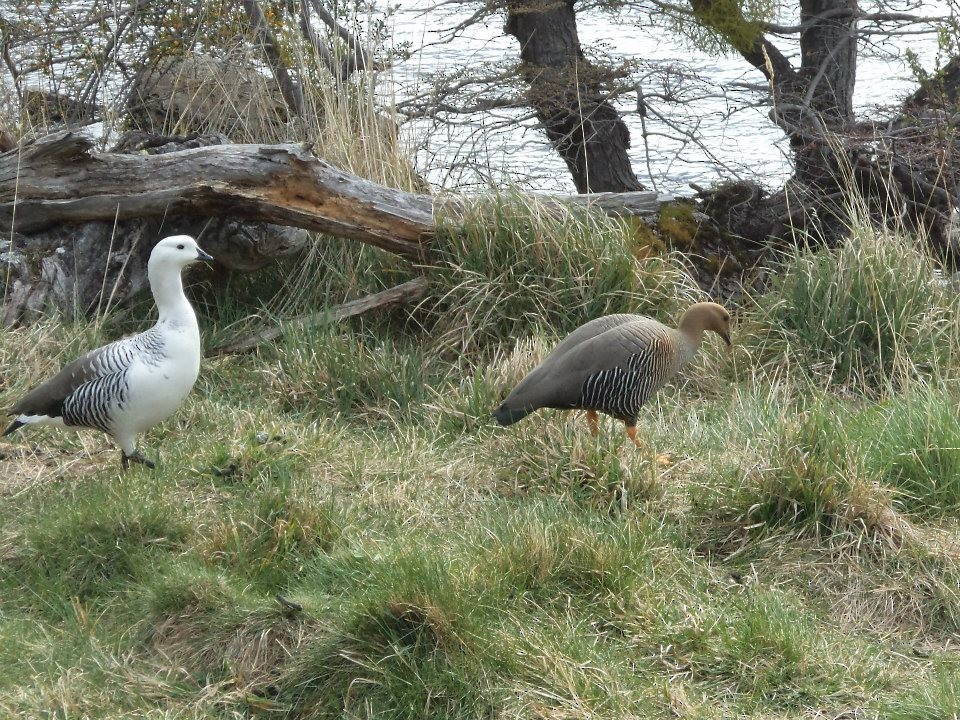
pixel 867 314
pixel 799 558
pixel 512 263
pixel 915 448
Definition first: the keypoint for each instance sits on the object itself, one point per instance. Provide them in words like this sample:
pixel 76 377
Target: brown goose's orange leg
pixel 593 420
pixel 662 460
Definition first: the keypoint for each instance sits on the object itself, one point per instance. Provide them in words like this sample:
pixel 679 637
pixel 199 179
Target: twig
pixel 405 292
pixel 359 58
pixel 289 604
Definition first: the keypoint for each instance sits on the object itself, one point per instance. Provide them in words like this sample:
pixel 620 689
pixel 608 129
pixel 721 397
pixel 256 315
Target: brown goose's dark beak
pixel 726 338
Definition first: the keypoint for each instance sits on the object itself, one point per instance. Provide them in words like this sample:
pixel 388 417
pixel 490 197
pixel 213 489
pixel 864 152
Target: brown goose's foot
pixel 664 460
pixel 136 457
pixel 593 420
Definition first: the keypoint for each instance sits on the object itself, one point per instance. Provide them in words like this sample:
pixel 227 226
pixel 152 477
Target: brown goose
pixel 613 365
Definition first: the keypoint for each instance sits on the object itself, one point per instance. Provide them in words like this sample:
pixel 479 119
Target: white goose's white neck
pixel 173 307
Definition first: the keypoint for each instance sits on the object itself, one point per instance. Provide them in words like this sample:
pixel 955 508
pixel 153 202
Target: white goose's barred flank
pixel 130 385
pixel 92 404
pixel 613 364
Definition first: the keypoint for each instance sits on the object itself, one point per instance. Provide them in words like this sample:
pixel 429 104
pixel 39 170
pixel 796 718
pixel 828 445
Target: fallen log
pixel 406 292
pixel 77 223
pixel 60 179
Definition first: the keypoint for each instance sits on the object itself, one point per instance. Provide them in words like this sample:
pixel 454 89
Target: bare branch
pixel 844 13
pixel 323 52
pixel 359 58
pixel 292 92
pixel 409 291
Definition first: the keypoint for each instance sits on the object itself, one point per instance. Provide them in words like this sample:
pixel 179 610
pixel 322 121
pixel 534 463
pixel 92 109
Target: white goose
pixel 128 386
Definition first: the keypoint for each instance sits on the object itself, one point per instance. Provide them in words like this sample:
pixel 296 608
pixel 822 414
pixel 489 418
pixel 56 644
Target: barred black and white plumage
pixel 613 365
pixel 621 391
pixel 92 404
pixel 128 386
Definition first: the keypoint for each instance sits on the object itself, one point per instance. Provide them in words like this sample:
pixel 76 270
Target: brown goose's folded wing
pixel 582 334
pixel 634 344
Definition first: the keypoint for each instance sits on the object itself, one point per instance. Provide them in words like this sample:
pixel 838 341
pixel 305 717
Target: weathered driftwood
pixel 60 179
pixel 406 292
pixel 77 223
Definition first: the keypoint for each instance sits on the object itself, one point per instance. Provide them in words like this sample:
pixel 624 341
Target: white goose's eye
pixel 180 246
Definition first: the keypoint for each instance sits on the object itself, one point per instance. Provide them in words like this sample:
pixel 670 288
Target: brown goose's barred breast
pixel 622 391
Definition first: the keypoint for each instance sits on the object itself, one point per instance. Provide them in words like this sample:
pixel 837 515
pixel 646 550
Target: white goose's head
pixel 175 253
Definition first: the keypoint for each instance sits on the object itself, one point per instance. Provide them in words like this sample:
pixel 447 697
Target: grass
pixel 799 558
pixel 868 314
pixel 512 263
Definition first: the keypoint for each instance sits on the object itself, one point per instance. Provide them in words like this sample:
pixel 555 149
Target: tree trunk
pixel 828 70
pixel 813 101
pixel 567 93
pixel 828 58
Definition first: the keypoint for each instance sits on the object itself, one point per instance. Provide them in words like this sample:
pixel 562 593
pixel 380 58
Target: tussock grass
pixel 809 474
pixel 870 315
pixel 512 263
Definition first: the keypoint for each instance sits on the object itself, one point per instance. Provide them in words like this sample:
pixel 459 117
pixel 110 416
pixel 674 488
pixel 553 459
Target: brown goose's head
pixel 703 316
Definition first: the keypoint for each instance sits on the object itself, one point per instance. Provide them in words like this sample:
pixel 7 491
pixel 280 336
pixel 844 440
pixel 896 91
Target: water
pixel 721 103
pixel 717 128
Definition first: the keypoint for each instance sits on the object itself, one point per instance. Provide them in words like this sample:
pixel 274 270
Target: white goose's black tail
pixel 13 427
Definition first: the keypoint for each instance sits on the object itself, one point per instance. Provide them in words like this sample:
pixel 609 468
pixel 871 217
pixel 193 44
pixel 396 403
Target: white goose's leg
pixel 129 452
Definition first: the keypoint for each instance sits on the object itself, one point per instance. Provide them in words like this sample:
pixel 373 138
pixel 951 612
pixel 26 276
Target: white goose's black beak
pixel 201 255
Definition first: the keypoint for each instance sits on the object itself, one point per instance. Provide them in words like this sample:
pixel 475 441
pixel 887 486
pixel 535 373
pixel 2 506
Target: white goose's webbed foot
pixel 137 457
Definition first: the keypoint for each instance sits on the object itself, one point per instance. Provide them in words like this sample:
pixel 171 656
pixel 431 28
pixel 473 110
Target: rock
pixel 200 93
